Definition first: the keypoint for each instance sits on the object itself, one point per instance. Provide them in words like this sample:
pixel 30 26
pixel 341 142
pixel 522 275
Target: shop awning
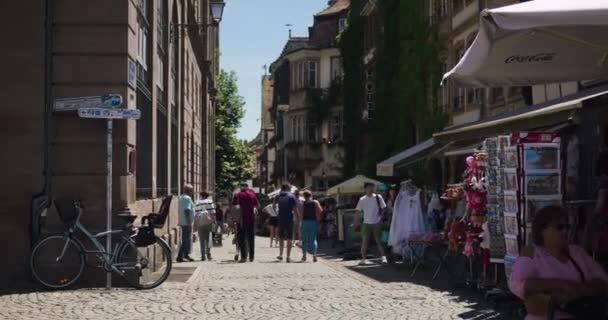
pixel 353 185
pixel 537 42
pixel 386 168
pixel 543 115
pixel 462 151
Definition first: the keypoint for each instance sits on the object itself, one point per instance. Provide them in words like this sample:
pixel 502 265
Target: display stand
pixel 532 182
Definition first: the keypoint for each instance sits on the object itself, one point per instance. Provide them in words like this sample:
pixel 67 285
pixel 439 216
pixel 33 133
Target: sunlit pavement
pixel 264 289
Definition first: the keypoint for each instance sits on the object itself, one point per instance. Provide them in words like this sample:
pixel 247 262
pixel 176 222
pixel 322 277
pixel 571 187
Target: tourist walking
pixel 272 211
pixel 297 225
pixel 310 215
pixel 204 222
pixel 247 201
pixel 185 220
pixel 371 205
pixel 288 205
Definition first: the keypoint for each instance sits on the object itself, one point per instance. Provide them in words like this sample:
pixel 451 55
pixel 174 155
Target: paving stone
pixel 264 289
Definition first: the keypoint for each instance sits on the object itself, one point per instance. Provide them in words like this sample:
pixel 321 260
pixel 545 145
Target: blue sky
pixel 253 33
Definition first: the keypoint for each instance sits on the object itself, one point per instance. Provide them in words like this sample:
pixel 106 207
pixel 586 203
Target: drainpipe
pixel 41 201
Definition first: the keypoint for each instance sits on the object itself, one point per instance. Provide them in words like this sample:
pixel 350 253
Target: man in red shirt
pixel 248 203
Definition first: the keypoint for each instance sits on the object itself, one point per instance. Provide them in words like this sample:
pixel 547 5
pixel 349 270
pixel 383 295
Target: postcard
pixel 512 245
pixel 510 180
pixel 511 203
pixel 511 224
pixel 533 204
pixel 541 156
pixel 511 159
pixel 543 184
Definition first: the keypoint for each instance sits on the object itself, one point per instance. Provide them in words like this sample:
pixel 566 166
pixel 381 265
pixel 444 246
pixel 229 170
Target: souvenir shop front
pixel 534 44
pixel 522 161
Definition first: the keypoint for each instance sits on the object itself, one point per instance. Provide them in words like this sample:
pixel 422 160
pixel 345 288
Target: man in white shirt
pixel 372 206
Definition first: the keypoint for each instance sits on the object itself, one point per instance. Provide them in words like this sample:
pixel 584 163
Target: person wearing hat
pixel 371 205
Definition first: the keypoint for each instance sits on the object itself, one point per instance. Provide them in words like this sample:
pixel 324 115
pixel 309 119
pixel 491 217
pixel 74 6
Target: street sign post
pixel 109 115
pixel 72 104
pixel 101 113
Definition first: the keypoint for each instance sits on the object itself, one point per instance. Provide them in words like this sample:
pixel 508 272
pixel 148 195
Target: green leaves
pixel 233 158
pixel 406 78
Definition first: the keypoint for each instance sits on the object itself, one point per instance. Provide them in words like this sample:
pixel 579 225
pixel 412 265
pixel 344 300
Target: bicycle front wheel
pixel 57 262
pixel 144 267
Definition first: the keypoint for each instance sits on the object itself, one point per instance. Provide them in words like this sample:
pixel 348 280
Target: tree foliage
pixel 406 79
pixel 233 163
pixel 351 47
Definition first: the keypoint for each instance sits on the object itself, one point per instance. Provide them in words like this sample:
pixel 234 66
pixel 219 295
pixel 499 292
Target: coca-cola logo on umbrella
pixel 540 57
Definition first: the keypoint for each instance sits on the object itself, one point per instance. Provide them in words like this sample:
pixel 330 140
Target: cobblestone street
pixel 265 289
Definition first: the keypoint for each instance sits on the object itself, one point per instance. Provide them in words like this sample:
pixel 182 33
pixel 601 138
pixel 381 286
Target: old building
pixel 266 152
pixel 307 103
pixel 159 55
pixel 457 23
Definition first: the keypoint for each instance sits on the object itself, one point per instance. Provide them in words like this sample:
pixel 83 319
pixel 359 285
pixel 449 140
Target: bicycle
pixel 58 261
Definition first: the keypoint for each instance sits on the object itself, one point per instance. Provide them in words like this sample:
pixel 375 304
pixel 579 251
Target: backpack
pixel 203 218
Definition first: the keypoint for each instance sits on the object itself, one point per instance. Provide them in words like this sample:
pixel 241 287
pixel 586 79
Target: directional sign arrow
pixel 101 113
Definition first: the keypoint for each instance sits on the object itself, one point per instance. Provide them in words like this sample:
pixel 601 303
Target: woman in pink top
pixel 549 268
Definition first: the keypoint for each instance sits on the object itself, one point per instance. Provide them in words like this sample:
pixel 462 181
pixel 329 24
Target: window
pixel 293 72
pixel 336 68
pixel 461 91
pixel 160 73
pixel 497 94
pixel 172 89
pixel 335 127
pixel 312 131
pixel 294 129
pixel 187 80
pixel 312 74
pixel 301 76
pixel 300 129
pixel 444 89
pixel 341 24
pixel 441 8
pixel 142 42
pixel 143 6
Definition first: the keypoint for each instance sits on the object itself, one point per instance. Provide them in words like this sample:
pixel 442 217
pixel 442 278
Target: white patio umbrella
pixel 537 42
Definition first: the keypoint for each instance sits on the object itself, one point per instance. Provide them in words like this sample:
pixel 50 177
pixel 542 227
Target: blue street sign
pixel 101 113
pixel 71 104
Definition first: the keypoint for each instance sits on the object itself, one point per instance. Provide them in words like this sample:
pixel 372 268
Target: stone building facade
pixel 128 47
pixel 307 104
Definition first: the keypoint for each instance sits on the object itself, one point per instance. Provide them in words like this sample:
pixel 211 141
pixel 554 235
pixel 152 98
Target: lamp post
pixel 216 7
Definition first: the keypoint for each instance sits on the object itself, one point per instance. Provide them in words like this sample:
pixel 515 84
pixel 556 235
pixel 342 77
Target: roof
pixel 336 6
pixel 292 45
